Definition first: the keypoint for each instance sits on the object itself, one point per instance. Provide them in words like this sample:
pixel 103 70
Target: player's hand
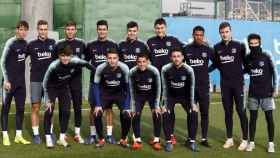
pixel 7 85
pixel 157 111
pixel 48 106
pixel 97 109
pixel 275 94
pixel 195 108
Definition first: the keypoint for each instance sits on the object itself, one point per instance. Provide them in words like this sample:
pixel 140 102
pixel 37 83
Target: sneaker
pixel 49 144
pixel 6 141
pixel 63 142
pixel 124 143
pixel 36 139
pixel 193 147
pixel 270 147
pixel 205 143
pixel 173 139
pixel 90 140
pixel 251 146
pixel 101 143
pixel 21 140
pixel 243 145
pixel 110 140
pixel 137 145
pixel 168 147
pixel 79 139
pixel 228 144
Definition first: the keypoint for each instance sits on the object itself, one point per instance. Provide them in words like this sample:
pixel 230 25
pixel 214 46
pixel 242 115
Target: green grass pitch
pixel 216 138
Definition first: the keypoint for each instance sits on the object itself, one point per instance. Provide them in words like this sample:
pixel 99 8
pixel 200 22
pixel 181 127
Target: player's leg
pixel 36 91
pixel 7 97
pixel 191 124
pixel 136 126
pixel 20 95
pixel 48 115
pixel 64 102
pixel 108 108
pixel 125 119
pixel 92 138
pixel 253 105
pixel 167 123
pixel 268 106
pixel 241 111
pixel 227 100
pixel 155 142
pixel 76 94
pixel 204 115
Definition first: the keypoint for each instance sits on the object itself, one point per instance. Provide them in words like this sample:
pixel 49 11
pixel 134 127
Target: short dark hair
pixel 198 28
pixel 224 25
pixel 65 51
pixel 253 36
pixel 176 49
pixel 131 24
pixel 22 23
pixel 102 22
pixel 112 51
pixel 160 21
pixel 71 23
pixel 42 22
pixel 143 55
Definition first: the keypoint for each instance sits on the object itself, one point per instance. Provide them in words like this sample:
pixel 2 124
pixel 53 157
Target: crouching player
pixel 56 85
pixel 145 86
pixel 111 87
pixel 263 87
pixel 178 87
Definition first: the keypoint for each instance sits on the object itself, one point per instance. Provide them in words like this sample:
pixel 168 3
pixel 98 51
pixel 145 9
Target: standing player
pixel 78 47
pixel 96 54
pixel 111 87
pixel 160 48
pixel 132 46
pixel 13 68
pixel 41 51
pixel 263 87
pixel 229 58
pixel 178 84
pixel 145 86
pixel 56 86
pixel 197 55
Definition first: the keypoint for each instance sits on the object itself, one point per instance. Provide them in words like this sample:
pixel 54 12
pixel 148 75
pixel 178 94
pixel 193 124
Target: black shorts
pixel 108 102
pixel 171 101
pixel 62 94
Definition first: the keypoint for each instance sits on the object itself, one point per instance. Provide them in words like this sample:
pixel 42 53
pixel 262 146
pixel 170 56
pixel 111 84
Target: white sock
pixel 156 139
pixel 203 139
pixel 77 131
pixel 270 143
pixel 18 133
pixel 48 138
pixel 51 128
pixel 5 133
pixel 192 141
pixel 35 130
pixel 62 136
pixel 109 130
pixel 92 131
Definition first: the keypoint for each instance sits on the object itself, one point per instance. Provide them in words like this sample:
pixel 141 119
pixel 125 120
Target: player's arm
pixel 243 54
pixel 7 84
pixel 191 82
pixel 158 87
pixel 87 55
pixel 83 63
pixel 96 84
pixel 132 88
pixel 164 86
pixel 214 59
pixel 50 71
pixel 125 70
pixel 274 76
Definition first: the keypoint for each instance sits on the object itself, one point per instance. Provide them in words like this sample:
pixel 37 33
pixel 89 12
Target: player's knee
pixel 98 115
